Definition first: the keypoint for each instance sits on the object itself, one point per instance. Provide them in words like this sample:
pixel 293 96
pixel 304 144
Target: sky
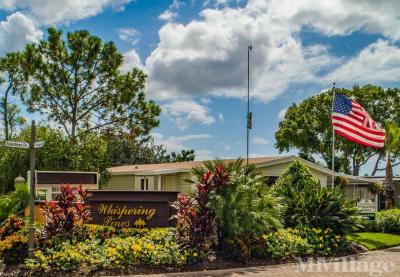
pixel 195 55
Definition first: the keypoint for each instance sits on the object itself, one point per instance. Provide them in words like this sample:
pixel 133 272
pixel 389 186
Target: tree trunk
pixel 389 187
pixel 5 107
pixel 376 164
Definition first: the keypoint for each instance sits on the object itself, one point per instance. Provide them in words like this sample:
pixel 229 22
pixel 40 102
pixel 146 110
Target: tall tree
pixel 392 147
pixel 14 80
pixel 11 117
pixel 183 156
pixel 124 148
pixel 307 127
pixel 77 83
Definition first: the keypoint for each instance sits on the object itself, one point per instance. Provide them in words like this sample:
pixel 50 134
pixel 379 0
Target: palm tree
pixel 392 145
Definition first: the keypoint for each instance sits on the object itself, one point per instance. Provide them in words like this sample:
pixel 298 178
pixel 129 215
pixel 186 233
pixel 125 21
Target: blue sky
pixel 195 55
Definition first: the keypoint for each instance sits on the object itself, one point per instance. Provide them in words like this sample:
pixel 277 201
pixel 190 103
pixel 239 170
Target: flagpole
pixel 333 139
pixel 249 114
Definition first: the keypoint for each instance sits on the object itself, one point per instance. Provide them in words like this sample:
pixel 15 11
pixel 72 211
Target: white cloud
pixel 131 60
pixel 61 11
pixel 205 100
pixel 378 62
pixel 282 113
pixel 260 140
pixel 186 112
pixel 176 144
pixel 16 31
pixel 170 13
pixel 129 35
pixel 167 15
pixel 221 117
pixel 204 155
pixel 208 56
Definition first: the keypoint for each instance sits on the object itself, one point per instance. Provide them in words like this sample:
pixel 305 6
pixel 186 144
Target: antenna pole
pixel 249 114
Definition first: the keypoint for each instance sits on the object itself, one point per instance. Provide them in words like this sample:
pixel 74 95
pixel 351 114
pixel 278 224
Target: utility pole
pixel 31 248
pixel 249 114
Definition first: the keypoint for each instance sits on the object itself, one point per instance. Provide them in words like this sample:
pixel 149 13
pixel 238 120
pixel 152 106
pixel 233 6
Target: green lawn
pixel 374 241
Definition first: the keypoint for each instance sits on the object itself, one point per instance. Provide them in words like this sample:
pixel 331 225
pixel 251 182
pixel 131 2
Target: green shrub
pixel 285 244
pixel 14 202
pixel 366 225
pixel 246 206
pixel 230 207
pixel 323 241
pixel 388 221
pixel 310 204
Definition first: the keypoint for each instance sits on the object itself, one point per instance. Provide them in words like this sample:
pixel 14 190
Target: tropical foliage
pixel 230 203
pixel 66 212
pixel 310 204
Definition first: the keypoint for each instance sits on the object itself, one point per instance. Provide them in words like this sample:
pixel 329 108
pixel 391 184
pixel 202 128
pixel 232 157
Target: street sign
pixel 38 144
pixel 17 144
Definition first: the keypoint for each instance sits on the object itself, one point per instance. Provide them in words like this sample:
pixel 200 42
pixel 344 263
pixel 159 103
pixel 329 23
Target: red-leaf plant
pixel 196 222
pixel 67 211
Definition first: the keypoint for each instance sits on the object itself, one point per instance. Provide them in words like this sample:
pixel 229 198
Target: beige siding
pixel 121 182
pixel 170 182
pixel 184 186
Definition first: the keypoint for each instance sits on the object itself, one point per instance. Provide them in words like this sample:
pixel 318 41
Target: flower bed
pixel 232 219
pixel 124 248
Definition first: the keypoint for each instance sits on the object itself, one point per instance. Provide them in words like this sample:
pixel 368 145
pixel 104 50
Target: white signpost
pixel 32 146
pixel 17 144
pixel 38 144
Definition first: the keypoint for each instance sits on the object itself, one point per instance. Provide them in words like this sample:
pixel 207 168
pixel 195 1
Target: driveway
pixel 376 263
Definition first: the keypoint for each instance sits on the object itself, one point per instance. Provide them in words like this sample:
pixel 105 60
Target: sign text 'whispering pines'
pixel 132 209
pixel 122 216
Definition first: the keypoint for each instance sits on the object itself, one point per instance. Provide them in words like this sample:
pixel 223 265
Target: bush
pixel 323 241
pixel 285 244
pixel 388 221
pixel 366 225
pixel 246 206
pixel 310 204
pixel 231 203
pixel 375 188
pixel 14 248
pixel 67 212
pixel 13 240
pixel 10 226
pixel 15 202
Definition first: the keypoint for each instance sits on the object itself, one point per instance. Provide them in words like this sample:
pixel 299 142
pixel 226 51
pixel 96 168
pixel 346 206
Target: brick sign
pixel 132 209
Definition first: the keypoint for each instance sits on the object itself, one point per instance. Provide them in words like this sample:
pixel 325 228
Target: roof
pixel 181 166
pixel 170 168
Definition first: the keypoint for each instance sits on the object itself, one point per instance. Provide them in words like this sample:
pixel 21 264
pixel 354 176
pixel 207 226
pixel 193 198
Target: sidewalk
pixel 376 263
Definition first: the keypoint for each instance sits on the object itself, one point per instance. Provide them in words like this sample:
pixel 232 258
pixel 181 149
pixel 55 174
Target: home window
pixel 144 184
pixel 54 192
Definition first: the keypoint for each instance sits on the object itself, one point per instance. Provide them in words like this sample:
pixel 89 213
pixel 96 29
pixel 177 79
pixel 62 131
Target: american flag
pixel 351 121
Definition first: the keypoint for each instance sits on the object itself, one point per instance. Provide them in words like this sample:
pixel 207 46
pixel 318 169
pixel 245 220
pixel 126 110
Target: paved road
pixel 377 263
